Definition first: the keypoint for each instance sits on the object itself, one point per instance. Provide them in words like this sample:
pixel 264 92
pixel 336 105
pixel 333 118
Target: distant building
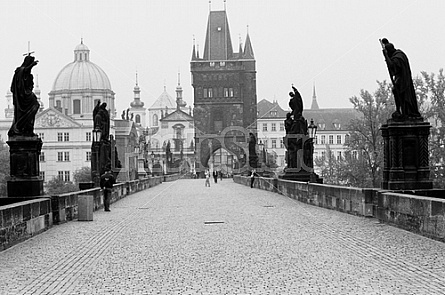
pixel 224 84
pixel 332 128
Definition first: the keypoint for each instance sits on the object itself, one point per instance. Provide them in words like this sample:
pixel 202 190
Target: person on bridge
pixel 207 173
pixel 106 183
pixel 215 176
pixel 252 178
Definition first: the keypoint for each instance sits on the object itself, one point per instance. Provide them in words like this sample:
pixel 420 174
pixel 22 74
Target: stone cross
pixel 29 50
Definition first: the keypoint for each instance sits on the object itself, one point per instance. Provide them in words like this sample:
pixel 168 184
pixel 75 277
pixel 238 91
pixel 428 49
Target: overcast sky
pixel 333 44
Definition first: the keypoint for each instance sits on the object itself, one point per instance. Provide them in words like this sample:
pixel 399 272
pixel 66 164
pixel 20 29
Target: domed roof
pixel 82 73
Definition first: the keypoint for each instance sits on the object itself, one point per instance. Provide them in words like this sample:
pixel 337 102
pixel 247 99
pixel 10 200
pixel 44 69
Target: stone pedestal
pixel 300 161
pixel 25 179
pixel 406 158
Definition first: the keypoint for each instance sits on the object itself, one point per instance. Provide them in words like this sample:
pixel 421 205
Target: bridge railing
pixel 411 210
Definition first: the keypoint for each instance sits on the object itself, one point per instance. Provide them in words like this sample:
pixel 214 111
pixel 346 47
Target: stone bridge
pixel 181 237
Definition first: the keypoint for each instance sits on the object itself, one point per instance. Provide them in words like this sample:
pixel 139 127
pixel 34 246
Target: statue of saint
pixel 403 88
pixel 296 103
pixel 25 101
pixel 102 120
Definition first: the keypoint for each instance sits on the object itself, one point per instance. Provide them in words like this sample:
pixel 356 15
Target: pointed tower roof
pixel 248 50
pixel 194 50
pixel 164 101
pixel 218 45
pixel 314 105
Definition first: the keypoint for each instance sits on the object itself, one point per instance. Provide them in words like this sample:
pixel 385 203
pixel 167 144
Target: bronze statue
pixel 25 101
pixel 403 88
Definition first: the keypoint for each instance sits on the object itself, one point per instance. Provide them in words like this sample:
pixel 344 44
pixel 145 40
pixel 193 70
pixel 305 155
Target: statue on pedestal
pixel 25 101
pixel 403 88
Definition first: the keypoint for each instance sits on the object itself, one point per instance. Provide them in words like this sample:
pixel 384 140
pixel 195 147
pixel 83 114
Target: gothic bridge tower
pixel 225 99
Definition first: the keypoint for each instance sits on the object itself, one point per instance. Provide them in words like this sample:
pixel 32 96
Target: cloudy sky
pixel 333 44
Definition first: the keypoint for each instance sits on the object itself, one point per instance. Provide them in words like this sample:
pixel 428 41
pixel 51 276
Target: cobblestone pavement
pixel 184 238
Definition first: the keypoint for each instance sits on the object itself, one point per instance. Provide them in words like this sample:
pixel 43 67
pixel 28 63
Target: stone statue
pixel 102 120
pixel 25 101
pixel 296 103
pixel 296 128
pixel 403 88
pixel 123 115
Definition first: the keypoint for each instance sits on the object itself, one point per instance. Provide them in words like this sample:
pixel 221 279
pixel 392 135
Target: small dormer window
pixel 322 126
pixel 212 63
pixel 273 113
pixel 336 125
pixel 222 63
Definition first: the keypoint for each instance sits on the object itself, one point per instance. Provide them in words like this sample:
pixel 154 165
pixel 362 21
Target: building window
pixel 60 175
pixel 210 92
pixel 59 136
pixel 339 156
pixel 226 92
pixel 138 119
pixel 222 63
pixel 230 92
pixel 76 106
pixel 281 143
pixel 205 92
pixel 155 120
pixel 264 126
pixel 323 139
pixel 66 157
pixel 59 156
pixel 281 126
pixel 42 157
pixel 347 138
pixel 323 154
pixel 58 105
pixel 338 139
pixel 66 176
pixel 274 143
pixel 331 139
pixel 88 136
pixel 274 127
pixel 42 136
pixel 354 155
pixel 88 157
pixel 316 139
pixel 66 136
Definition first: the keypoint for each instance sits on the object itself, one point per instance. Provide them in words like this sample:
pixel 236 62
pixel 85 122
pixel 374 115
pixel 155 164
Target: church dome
pixel 81 74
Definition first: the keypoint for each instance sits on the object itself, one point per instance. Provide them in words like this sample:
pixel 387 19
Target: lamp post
pixel 312 130
pixel 95 157
pixel 152 162
pixel 261 147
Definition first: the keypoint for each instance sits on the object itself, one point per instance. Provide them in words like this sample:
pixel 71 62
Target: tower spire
pixel 314 105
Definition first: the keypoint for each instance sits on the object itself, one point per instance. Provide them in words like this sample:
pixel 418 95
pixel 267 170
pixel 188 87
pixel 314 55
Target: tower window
pixel 138 119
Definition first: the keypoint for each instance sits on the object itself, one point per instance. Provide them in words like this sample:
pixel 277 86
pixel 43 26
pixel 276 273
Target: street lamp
pixel 97 133
pixel 312 128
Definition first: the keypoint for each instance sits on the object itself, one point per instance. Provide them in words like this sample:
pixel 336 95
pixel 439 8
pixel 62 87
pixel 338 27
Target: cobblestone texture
pixel 170 240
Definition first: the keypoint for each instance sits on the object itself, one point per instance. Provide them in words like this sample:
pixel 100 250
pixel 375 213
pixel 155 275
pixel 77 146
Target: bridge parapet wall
pixel 22 218
pixel 65 206
pixel 415 213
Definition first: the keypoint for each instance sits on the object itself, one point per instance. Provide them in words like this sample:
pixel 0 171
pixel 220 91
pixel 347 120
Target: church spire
pixel 248 50
pixel 194 50
pixel 137 103
pixel 314 105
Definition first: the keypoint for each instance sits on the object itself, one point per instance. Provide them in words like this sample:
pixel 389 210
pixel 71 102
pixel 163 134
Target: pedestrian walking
pixel 207 174
pixel 106 184
pixel 220 175
pixel 215 176
pixel 252 178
